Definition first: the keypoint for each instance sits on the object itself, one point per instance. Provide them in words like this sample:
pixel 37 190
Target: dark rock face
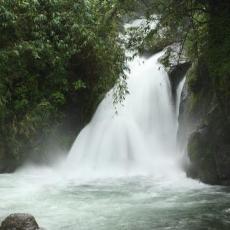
pixel 176 74
pixel 209 151
pixel 176 65
pixel 223 163
pixel 204 130
pixel 19 221
pixel 6 164
pixel 201 154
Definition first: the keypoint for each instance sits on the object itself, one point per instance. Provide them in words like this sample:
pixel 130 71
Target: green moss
pixel 201 153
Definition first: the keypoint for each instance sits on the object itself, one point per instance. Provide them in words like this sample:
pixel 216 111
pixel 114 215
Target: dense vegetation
pixel 57 60
pixel 59 57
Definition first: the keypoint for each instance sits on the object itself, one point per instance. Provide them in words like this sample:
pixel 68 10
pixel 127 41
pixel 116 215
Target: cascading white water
pixel 140 138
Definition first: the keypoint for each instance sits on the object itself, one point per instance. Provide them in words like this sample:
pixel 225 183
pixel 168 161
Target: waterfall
pixel 140 138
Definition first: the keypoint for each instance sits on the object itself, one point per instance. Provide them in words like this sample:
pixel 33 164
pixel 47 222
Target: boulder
pixel 19 221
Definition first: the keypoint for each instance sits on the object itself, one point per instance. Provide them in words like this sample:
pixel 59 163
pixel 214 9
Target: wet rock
pixel 222 159
pixel 176 64
pixel 19 221
pixel 209 150
pixel 203 131
pixel 176 74
pixel 201 154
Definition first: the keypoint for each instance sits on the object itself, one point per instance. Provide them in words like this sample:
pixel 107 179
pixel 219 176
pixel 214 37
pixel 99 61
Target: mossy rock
pixel 209 150
pixel 202 156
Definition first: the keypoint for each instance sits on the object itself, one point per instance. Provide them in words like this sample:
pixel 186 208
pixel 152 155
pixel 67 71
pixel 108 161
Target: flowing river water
pixel 128 203
pixel 123 171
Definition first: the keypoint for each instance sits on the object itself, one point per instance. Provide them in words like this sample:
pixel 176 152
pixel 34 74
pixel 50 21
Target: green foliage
pixel 202 29
pixel 60 57
pixel 51 52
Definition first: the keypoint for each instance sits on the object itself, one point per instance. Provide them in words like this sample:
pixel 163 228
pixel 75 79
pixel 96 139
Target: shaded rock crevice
pixel 176 64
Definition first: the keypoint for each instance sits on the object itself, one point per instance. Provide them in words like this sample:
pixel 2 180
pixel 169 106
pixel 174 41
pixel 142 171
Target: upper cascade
pixel 140 138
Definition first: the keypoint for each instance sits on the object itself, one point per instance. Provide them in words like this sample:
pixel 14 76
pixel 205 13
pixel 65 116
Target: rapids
pixel 140 139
